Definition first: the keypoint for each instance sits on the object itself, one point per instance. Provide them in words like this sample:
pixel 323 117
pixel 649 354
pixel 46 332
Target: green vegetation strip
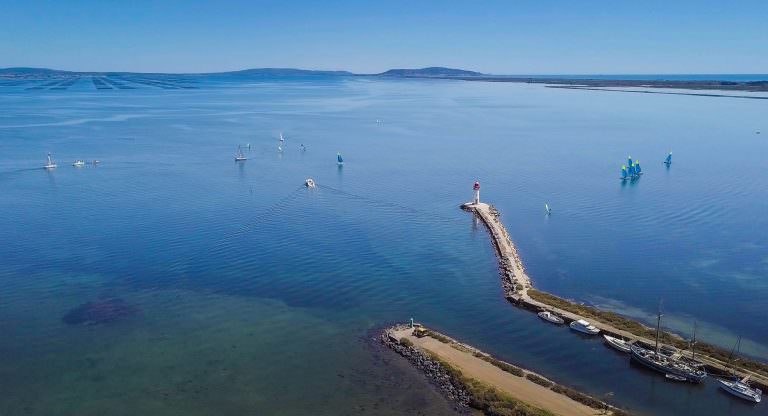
pixel 617 321
pixel 539 380
pixel 488 399
pixel 504 366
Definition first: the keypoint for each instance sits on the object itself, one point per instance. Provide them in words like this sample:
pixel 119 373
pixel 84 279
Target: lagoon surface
pixel 254 295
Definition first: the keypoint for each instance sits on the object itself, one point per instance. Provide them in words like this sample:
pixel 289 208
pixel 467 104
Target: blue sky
pixel 505 37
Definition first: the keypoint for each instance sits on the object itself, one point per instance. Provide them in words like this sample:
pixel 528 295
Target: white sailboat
pixel 240 156
pixel 50 163
pixel 741 388
pixel 548 209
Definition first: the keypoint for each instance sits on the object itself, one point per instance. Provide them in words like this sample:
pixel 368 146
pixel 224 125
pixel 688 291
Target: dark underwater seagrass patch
pixel 100 312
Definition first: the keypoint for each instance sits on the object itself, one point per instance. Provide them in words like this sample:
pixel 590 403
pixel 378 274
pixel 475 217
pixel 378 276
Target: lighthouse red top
pixel 477 186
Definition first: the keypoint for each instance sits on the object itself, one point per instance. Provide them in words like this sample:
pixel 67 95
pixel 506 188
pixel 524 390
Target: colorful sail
pixel 669 158
pixel 624 172
pixel 638 171
pixel 629 161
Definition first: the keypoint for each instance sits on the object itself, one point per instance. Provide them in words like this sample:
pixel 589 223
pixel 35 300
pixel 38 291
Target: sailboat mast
pixel 658 328
pixel 693 343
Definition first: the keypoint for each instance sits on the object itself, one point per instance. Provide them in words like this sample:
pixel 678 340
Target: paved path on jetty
pixel 518 387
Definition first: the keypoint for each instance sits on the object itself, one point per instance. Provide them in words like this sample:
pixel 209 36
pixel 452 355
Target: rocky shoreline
pixel 433 370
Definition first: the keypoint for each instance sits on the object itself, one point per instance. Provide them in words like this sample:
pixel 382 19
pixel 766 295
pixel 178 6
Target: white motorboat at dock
pixel 584 327
pixel 551 317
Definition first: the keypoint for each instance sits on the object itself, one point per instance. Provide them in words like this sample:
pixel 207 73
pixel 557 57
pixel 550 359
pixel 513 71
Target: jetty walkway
pixel 467 359
pixel 517 284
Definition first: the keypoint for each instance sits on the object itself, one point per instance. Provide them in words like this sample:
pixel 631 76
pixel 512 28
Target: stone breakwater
pixel 514 279
pixel 434 371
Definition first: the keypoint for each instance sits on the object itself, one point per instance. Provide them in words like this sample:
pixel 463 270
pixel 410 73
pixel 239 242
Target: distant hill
pixel 284 72
pixel 433 71
pixel 31 71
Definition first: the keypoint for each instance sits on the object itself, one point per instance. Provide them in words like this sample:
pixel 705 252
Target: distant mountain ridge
pixel 283 72
pixel 434 71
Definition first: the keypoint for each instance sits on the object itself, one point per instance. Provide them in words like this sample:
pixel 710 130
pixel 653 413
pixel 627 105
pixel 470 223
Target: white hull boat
pixel 50 164
pixel 239 156
pixel 584 327
pixel 79 164
pixel 742 390
pixel 310 183
pixel 616 343
pixel 551 317
pixel 674 377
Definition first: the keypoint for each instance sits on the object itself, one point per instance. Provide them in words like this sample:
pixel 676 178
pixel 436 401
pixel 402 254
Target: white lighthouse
pixel 476 188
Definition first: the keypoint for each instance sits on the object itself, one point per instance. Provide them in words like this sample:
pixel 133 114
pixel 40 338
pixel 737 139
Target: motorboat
pixel 584 327
pixel 616 343
pixel 50 163
pixel 79 164
pixel 742 390
pixel 310 183
pixel 551 317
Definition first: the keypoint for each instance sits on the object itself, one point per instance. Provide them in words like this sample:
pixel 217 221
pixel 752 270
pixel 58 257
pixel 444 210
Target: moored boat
pixel 655 358
pixel 551 317
pixel 742 390
pixel 675 377
pixel 584 327
pixel 666 365
pixel 616 343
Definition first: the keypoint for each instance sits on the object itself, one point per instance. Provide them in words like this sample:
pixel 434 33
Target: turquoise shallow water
pixel 257 295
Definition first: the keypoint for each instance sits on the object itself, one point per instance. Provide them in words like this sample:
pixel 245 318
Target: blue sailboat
pixel 339 159
pixel 668 160
pixel 631 170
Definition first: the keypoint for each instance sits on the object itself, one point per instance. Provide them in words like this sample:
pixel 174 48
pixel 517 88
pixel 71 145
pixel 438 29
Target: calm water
pixel 257 295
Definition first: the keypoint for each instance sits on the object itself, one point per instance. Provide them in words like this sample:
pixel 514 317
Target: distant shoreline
pixel 601 84
pixel 718 82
